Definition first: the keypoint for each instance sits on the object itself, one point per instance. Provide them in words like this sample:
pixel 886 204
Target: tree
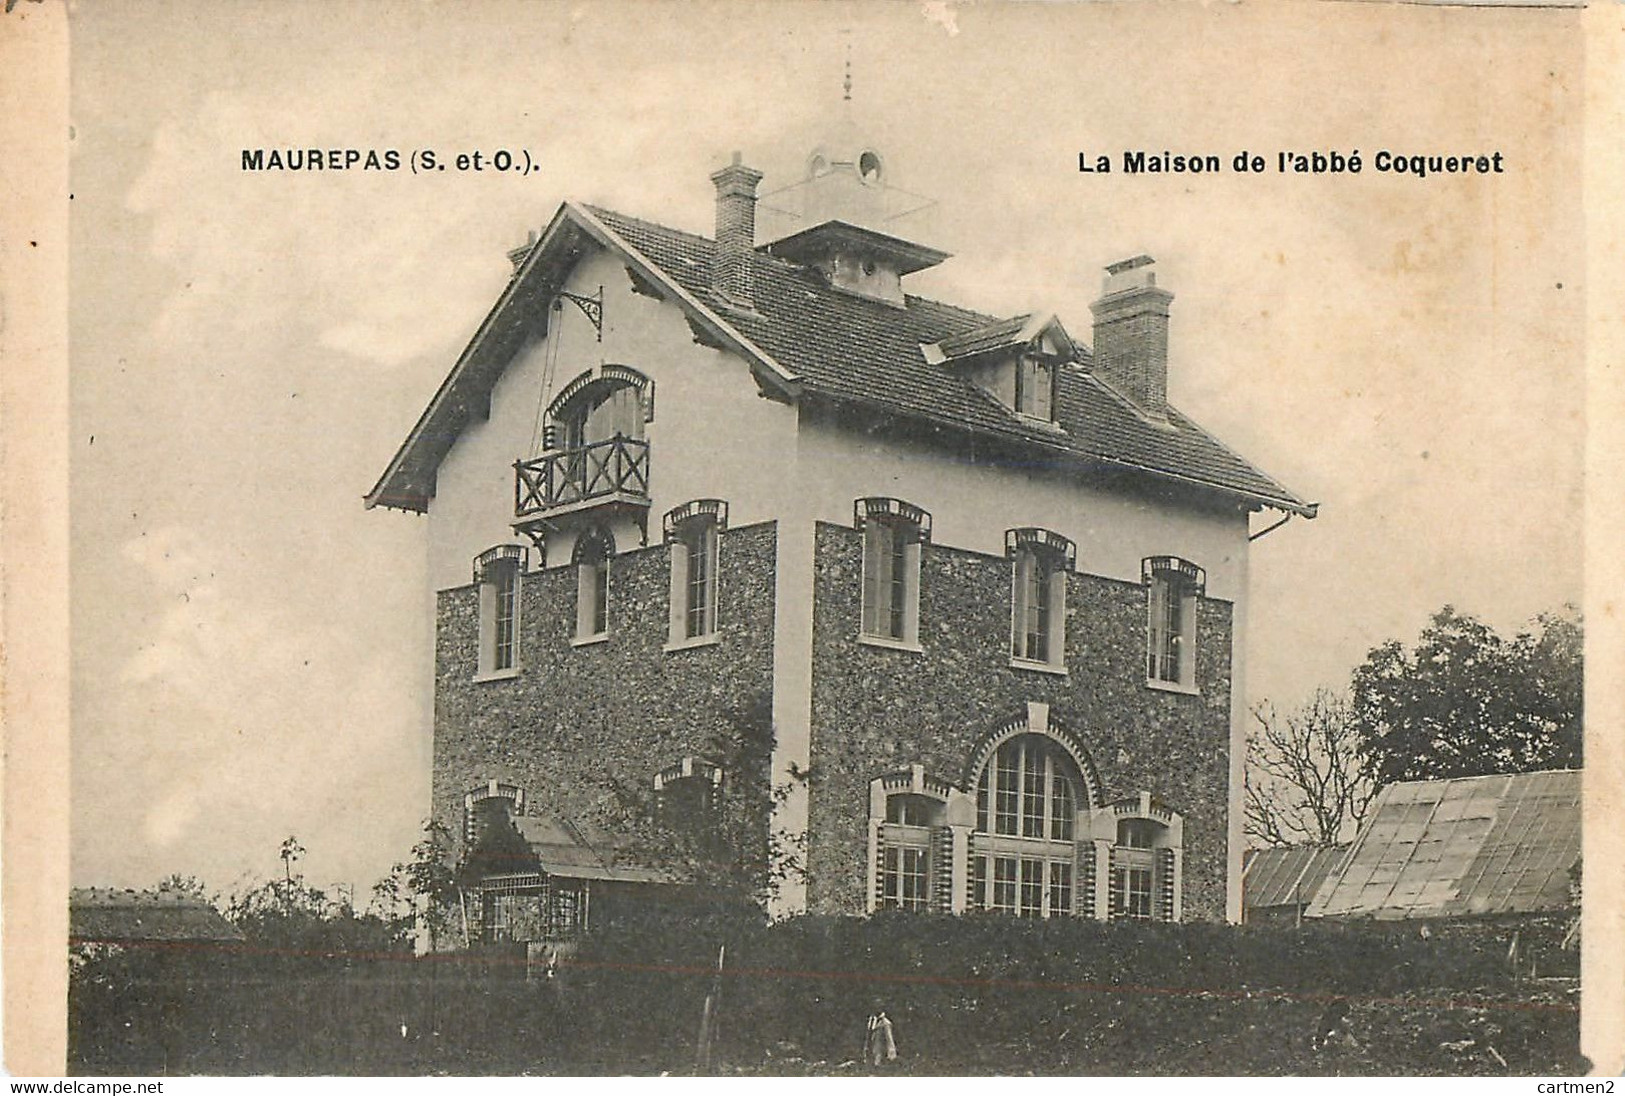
pixel 1309 779
pixel 422 890
pixel 1466 702
pixel 730 847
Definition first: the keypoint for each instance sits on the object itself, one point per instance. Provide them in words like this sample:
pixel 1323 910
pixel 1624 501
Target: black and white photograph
pixel 834 540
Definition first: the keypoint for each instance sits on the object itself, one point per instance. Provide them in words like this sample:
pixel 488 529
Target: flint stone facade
pixel 878 710
pixel 575 719
pixel 804 389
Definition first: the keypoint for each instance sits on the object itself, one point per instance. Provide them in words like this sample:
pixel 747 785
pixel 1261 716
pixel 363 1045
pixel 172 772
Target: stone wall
pixel 877 710
pixel 576 720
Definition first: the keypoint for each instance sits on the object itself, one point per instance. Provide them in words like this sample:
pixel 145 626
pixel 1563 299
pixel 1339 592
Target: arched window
pixel 598 405
pixel 1023 849
pixel 593 551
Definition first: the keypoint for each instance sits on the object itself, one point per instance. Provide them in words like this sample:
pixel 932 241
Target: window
pixel 1023 846
pixel 1040 560
pixel 692 534
pixel 688 799
pixel 1173 587
pixel 1035 387
pixel 592 554
pixel 912 852
pixel 893 531
pixel 497 571
pixel 1143 862
pixel 1134 869
pixel 532 907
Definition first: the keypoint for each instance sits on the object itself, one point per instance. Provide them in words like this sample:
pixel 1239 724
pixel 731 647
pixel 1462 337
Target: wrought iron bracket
pixel 591 307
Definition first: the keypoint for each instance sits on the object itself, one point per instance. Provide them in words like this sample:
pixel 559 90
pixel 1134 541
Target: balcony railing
pixel 617 469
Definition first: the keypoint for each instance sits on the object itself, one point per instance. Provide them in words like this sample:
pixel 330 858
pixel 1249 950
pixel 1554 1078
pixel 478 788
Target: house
pixel 985 586
pixel 103 915
pixel 1277 884
pixel 1501 849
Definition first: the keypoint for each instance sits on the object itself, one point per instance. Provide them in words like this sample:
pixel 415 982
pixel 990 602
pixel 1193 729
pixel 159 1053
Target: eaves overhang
pixel 408 483
pixel 1017 442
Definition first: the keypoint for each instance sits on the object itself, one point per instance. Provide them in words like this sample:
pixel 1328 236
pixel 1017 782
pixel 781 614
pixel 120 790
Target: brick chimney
pixel 736 231
pixel 1131 335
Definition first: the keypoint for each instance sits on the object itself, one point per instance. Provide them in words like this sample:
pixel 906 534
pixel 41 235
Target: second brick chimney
pixel 1131 335
pixel 736 231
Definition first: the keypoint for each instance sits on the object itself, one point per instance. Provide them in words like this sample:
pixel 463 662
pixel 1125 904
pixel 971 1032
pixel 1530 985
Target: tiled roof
pixel 1473 846
pixel 850 348
pixel 821 342
pixel 990 336
pixel 1286 876
pixel 100 915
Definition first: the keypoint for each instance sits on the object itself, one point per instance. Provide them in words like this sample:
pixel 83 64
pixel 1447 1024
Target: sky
pixel 249 349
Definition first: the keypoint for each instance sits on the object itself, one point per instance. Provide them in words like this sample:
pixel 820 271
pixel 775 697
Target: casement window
pixel 1035 387
pixel 1144 872
pixel 911 858
pixel 1023 848
pixel 497 571
pixel 1173 586
pixel 1040 561
pixel 692 535
pixel 593 551
pixel 893 532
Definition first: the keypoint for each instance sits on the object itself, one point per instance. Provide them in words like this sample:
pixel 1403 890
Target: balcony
pixel 612 474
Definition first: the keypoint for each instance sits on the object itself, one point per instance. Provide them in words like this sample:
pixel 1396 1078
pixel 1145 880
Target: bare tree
pixel 1309 778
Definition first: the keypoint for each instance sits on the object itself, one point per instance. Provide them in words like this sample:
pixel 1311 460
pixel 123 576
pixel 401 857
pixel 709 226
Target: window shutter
pixel 1167 884
pixel 1118 898
pixel 713 549
pixel 876 546
pixel 679 588
pixel 1021 610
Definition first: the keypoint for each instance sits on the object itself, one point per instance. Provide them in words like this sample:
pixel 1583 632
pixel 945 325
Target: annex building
pixel 984 587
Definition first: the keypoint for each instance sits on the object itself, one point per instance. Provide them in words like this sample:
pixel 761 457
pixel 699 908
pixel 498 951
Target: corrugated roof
pixel 1474 846
pixel 815 340
pixel 1286 876
pixel 100 915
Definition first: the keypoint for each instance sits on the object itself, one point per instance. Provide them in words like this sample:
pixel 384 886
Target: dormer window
pixel 1035 387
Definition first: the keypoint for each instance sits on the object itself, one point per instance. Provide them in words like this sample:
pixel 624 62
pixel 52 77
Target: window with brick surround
pixel 691 534
pixel 893 532
pixel 688 805
pixel 911 862
pixel 1144 871
pixel 593 550
pixel 1023 848
pixel 1173 586
pixel 497 571
pixel 1040 561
